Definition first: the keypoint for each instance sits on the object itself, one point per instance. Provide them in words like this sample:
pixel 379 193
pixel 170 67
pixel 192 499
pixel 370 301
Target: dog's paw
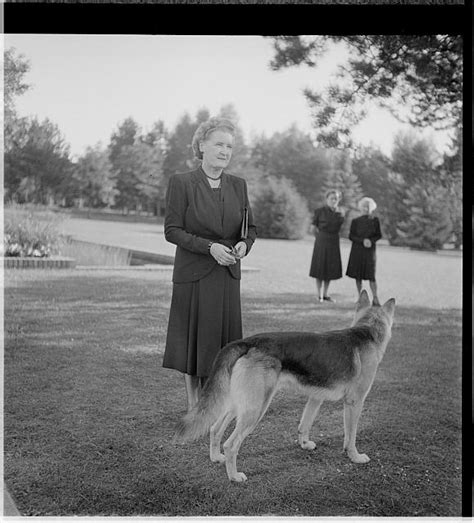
pixel 239 477
pixel 218 458
pixel 308 445
pixel 359 458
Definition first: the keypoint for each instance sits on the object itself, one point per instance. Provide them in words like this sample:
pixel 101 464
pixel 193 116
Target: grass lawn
pixel 89 411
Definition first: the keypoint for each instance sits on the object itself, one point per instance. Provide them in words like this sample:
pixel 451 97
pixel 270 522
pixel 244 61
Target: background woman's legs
pixel 359 287
pixel 326 288
pixel 373 288
pixel 318 287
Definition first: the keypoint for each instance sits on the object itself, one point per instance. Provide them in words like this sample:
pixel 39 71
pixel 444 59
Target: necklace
pixel 211 178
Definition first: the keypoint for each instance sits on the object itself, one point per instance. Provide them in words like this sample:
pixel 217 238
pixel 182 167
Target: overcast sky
pixel 88 84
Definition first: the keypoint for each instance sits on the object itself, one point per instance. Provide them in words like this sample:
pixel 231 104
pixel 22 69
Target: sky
pixel 89 84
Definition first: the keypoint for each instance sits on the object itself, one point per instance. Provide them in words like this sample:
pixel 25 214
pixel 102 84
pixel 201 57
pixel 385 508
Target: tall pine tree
pixel 428 225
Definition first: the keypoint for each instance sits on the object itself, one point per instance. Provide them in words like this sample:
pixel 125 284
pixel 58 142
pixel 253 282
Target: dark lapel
pixel 212 205
pixel 227 196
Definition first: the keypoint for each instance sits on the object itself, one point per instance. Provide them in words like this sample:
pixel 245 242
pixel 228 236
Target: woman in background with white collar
pixel 365 231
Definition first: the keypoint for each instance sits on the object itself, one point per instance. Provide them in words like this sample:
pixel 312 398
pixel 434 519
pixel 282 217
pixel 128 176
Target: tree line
pixel 418 193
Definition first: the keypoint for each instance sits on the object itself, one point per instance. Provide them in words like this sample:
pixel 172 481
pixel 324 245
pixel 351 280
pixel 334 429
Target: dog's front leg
pixel 307 419
pixel 352 412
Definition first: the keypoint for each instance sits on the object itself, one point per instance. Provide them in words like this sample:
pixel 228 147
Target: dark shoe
pixel 376 302
pixel 328 298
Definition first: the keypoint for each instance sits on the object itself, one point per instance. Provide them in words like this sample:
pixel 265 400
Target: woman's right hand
pixel 221 254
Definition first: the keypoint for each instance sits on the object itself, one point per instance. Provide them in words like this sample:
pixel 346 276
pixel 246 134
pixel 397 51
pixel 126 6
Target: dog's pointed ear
pixel 363 301
pixel 389 307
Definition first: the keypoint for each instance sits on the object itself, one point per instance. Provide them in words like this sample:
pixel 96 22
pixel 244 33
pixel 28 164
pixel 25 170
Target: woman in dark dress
pixel 326 261
pixel 365 231
pixel 208 218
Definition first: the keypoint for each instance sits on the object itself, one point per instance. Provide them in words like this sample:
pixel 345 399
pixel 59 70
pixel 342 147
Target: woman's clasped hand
pixel 226 255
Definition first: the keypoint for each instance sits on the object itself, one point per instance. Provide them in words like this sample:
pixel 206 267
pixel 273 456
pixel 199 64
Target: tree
pixel 418 78
pixel 38 168
pixel 279 210
pixel 413 162
pixel 126 134
pixel 94 178
pixel 292 154
pixel 157 136
pixel 428 225
pixel 451 178
pixel 180 156
pixel 139 176
pixel 15 69
pixel 414 158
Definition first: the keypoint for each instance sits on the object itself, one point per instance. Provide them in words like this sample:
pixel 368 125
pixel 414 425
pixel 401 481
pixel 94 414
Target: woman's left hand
pixel 240 250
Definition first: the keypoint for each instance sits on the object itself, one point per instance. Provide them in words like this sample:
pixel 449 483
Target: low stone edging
pixel 55 262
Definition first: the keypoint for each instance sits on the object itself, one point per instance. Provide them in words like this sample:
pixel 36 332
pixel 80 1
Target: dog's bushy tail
pixel 214 398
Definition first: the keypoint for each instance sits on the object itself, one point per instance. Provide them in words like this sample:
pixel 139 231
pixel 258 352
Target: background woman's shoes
pixel 328 298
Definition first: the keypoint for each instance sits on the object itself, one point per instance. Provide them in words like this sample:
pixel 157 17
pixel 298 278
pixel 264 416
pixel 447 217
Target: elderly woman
pixel 208 218
pixel 365 231
pixel 326 261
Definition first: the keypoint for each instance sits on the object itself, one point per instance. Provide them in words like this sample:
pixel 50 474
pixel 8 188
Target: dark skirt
pixel 326 261
pixel 361 264
pixel 205 315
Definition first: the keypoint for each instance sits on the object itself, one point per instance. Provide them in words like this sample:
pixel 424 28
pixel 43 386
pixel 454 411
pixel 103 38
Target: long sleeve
pixel 315 221
pixel 176 204
pixel 252 229
pixel 377 233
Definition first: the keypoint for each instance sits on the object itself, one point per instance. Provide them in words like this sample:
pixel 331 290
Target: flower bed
pixel 31 232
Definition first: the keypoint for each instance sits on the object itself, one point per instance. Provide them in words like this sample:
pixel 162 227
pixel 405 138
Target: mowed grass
pixel 89 412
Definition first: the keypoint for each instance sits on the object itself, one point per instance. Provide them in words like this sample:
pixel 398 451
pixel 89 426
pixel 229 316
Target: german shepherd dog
pixel 339 364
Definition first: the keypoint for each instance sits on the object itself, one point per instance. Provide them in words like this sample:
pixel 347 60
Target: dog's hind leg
pixel 307 419
pixel 243 427
pixel 352 412
pixel 253 385
pixel 216 433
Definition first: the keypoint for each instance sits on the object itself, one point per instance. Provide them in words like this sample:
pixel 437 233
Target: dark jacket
pixel 193 219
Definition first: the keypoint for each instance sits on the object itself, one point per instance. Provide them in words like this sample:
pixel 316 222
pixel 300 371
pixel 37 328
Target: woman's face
pixel 217 149
pixel 365 208
pixel 332 200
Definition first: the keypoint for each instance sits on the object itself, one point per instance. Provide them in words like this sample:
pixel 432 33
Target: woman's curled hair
pixel 207 127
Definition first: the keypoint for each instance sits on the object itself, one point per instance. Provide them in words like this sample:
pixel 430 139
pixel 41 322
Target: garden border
pixel 55 262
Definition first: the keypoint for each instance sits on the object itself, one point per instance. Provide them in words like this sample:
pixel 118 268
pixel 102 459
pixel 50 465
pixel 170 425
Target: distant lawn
pixel 89 411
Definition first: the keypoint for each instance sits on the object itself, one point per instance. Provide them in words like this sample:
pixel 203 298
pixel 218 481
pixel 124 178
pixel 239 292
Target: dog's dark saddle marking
pixel 317 360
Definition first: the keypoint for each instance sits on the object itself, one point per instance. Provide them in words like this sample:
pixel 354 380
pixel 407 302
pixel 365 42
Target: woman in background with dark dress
pixel 365 231
pixel 205 212
pixel 326 262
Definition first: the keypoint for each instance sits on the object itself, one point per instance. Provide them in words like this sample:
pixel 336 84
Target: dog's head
pixel 363 307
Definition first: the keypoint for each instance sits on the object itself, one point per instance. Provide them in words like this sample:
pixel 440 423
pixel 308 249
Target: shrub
pixel 279 210
pixel 428 226
pixel 31 231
